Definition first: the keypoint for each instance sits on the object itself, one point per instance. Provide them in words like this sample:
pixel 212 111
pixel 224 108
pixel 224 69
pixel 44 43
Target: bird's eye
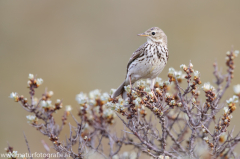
pixel 153 33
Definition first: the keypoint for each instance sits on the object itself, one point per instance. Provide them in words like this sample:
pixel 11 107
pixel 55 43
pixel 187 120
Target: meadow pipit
pixel 147 61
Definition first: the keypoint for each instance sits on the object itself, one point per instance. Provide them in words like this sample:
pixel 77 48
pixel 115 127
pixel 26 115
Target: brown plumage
pixel 147 61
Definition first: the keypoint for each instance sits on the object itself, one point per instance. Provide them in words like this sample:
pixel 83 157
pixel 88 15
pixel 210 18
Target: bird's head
pixel 155 34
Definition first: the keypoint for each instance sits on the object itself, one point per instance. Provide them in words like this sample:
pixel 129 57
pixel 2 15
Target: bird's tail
pixel 121 91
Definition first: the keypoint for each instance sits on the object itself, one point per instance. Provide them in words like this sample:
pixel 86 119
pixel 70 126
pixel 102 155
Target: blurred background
pixel 84 45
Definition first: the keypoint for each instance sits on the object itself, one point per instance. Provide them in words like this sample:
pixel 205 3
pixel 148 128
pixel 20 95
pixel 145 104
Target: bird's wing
pixel 135 55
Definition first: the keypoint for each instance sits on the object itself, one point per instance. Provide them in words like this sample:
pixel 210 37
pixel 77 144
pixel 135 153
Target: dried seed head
pixel 30 76
pixel 206 139
pixel 236 89
pixel 184 67
pixel 233 108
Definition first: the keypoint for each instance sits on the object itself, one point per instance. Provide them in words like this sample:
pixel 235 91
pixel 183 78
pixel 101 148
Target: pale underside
pixel 146 62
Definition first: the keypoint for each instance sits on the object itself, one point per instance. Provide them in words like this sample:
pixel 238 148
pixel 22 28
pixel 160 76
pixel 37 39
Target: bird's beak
pixel 143 34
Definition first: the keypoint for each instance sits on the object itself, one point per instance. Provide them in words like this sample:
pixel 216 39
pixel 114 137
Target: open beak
pixel 143 34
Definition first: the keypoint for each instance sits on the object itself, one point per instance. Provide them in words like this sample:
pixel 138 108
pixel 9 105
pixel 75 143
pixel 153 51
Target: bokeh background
pixel 83 45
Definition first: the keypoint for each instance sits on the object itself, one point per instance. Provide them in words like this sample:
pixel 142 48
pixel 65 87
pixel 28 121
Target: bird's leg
pixel 152 84
pixel 152 87
pixel 130 82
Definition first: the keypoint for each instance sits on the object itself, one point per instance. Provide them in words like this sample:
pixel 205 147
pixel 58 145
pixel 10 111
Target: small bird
pixel 147 61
